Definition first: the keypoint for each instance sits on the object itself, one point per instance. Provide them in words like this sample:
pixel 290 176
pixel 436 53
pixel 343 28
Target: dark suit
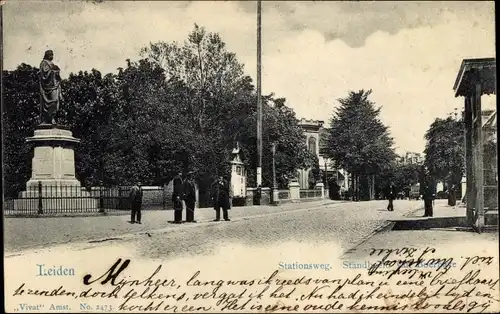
pixel 136 202
pixel 177 198
pixel 189 199
pixel 391 193
pixel 428 191
pixel 220 194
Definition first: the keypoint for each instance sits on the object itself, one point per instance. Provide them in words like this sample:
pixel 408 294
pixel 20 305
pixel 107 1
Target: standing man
pixel 136 201
pixel 452 198
pixel 221 194
pixel 177 197
pixel 428 194
pixel 190 196
pixel 391 193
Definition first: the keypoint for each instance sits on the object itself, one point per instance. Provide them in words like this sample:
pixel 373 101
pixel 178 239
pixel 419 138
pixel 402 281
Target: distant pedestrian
pixel 428 194
pixel 452 197
pixel 391 194
pixel 136 202
pixel 190 196
pixel 177 197
pixel 221 198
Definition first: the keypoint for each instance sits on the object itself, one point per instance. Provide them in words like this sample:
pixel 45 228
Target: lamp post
pixel 275 183
pixel 259 98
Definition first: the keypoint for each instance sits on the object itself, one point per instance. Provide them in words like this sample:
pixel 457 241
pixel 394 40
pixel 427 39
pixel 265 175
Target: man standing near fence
pixel 190 196
pixel 221 197
pixel 177 198
pixel 136 202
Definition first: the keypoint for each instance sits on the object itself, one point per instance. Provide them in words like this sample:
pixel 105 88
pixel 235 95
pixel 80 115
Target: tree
pixel 357 140
pixel 280 126
pixel 179 108
pixel 19 116
pixel 444 150
pixel 221 108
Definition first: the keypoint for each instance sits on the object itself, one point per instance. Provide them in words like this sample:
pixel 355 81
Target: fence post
pixel 120 200
pixel 294 188
pixel 163 198
pixel 101 200
pixel 320 186
pixel 40 204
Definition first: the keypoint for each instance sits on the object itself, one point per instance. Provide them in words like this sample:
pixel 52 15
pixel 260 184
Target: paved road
pixel 33 232
pixel 343 223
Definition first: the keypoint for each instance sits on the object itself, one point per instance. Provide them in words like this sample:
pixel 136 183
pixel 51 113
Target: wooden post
pixel 479 171
pixel 469 161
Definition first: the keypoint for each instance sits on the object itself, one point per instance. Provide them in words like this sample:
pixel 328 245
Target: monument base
pixel 53 185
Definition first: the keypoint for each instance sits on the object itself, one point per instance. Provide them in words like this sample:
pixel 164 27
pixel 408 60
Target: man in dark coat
pixel 136 202
pixel 452 197
pixel 190 196
pixel 221 198
pixel 333 189
pixel 391 195
pixel 177 197
pixel 428 191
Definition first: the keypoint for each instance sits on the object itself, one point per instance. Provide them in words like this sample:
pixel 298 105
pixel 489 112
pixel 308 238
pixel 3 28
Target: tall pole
pixel 275 195
pixel 259 99
pixel 275 183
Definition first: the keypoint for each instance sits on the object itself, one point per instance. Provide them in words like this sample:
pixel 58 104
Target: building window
pixel 312 145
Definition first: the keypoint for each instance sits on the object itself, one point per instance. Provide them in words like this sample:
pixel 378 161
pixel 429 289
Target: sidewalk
pixel 445 229
pixel 32 232
pixel 444 216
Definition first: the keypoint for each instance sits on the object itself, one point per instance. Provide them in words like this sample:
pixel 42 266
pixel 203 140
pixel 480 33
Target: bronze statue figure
pixel 50 88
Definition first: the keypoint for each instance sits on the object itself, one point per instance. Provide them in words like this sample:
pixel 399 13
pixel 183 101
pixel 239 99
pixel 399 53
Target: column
pixel 479 171
pixel 469 161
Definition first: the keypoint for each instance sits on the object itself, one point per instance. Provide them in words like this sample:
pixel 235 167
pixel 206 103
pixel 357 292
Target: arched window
pixel 312 145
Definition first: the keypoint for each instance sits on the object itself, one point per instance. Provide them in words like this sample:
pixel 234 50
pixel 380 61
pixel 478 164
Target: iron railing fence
pixel 283 194
pixel 45 199
pixel 310 194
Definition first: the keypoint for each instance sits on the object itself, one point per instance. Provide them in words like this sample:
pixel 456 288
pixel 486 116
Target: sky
pixel 313 53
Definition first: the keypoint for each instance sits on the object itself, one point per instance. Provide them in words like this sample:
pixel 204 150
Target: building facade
pixel 315 133
pixel 412 158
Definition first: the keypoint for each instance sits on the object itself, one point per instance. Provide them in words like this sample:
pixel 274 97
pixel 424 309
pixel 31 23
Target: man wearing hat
pixel 190 196
pixel 136 202
pixel 221 198
pixel 177 197
pixel 428 192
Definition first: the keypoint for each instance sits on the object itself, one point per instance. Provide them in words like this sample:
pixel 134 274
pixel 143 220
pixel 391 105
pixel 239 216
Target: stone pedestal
pixel 294 188
pixel 53 181
pixel 275 198
pixel 320 186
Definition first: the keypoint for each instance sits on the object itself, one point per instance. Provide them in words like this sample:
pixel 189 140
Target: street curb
pixel 383 227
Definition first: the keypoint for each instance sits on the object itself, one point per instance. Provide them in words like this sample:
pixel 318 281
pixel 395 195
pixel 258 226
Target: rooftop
pixel 474 71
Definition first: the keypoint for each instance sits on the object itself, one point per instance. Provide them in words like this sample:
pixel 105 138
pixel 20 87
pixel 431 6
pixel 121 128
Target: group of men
pixel 184 192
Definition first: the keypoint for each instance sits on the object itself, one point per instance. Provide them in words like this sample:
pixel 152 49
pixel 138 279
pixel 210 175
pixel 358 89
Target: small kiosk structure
pixel 475 78
pixel 238 173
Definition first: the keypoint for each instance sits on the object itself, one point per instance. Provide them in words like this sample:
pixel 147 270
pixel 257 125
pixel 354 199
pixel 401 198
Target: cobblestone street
pixel 343 223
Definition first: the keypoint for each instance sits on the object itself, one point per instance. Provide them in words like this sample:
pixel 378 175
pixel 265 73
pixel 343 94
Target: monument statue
pixel 50 88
